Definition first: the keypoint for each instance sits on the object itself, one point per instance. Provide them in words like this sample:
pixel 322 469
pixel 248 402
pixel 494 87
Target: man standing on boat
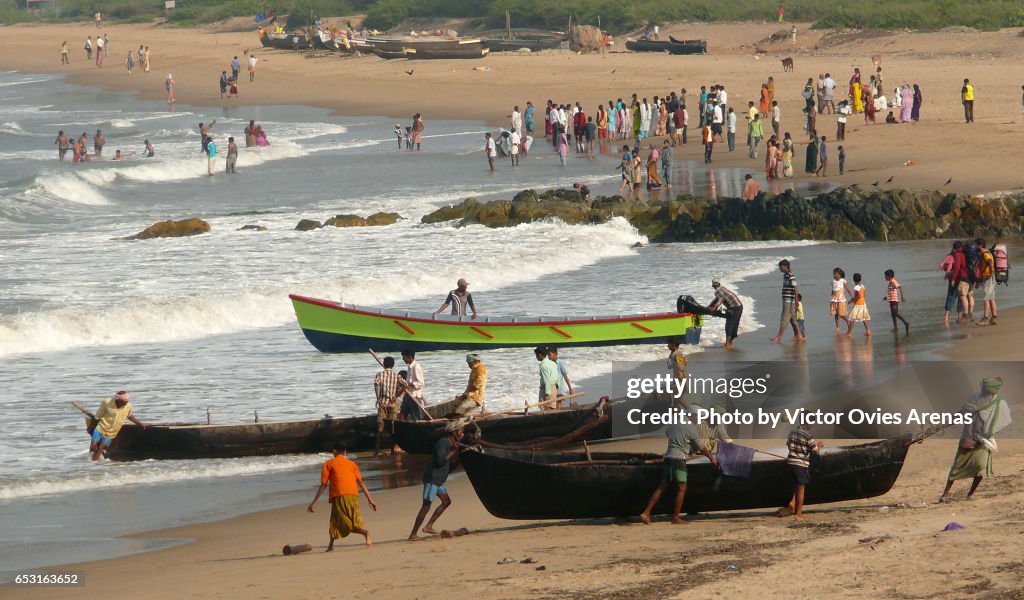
pixel 434 477
pixel 549 379
pixel 724 297
pixel 386 387
pixel 413 388
pixel 459 299
pixel 109 419
pixel 473 398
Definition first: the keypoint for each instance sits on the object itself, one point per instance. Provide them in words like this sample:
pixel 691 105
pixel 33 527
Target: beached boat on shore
pixel 671 45
pixel 468 51
pixel 536 430
pixel 574 485
pixel 194 441
pixel 514 44
pixel 388 54
pixel 335 327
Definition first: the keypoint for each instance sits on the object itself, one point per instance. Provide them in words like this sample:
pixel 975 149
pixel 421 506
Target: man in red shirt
pixel 343 477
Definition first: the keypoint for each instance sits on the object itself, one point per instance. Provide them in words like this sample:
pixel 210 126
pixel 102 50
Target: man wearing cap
pixel 724 297
pixel 549 378
pixel 473 398
pixel 109 419
pixel 459 299
pixel 438 467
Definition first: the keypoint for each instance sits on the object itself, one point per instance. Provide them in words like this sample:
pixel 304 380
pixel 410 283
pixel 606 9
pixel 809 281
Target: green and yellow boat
pixel 335 327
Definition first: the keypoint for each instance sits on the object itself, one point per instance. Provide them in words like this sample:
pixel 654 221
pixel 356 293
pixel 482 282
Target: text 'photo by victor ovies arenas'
pixel 399 299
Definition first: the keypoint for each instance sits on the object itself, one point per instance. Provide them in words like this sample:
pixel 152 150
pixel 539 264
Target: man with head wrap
pixel 473 398
pixel 989 414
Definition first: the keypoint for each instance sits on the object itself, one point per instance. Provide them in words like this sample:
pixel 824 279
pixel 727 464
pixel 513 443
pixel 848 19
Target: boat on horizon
pixel 336 327
pixel 515 484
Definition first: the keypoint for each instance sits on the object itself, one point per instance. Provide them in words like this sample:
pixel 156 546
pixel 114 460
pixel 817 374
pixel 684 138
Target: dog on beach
pixel 876 60
pixel 787 64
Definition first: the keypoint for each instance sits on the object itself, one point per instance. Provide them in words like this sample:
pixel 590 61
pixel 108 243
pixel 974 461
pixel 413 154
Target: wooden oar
pixel 418 403
pixel 529 406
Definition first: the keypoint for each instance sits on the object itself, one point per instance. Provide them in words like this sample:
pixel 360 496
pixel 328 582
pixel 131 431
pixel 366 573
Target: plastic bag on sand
pixel 953 526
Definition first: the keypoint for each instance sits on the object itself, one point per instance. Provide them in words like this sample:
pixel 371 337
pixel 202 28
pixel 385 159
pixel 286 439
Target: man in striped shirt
pixel 789 292
pixel 459 299
pixel 800 445
pixel 386 387
pixel 726 298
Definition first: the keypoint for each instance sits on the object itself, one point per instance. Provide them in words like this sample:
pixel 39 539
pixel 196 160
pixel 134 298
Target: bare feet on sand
pixel 369 542
pixel 429 530
pixel 678 521
pixel 645 518
pixel 800 518
pixel 776 340
pixel 414 538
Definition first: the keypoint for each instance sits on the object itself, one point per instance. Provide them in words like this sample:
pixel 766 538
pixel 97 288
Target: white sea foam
pixel 68 187
pixel 517 255
pixel 12 128
pixel 121 123
pixel 108 474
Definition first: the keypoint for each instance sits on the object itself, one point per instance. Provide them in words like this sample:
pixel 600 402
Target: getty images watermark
pixel 840 399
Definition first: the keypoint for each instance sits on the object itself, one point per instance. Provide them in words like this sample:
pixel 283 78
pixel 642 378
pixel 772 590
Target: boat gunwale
pixel 385 314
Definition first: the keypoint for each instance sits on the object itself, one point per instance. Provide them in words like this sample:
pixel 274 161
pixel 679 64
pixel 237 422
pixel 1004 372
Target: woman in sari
pixel 771 91
pixel 766 102
pixel 787 156
pixel 625 120
pixel 638 168
pixel 769 160
pixel 653 181
pixel 662 117
pixel 637 120
pixel 547 120
pixel 858 97
pixel 602 122
pixel 989 415
pixel 908 103
pixel 811 165
pixel 869 106
pixel 915 112
pixel 612 131
pixel 778 160
pixel 855 78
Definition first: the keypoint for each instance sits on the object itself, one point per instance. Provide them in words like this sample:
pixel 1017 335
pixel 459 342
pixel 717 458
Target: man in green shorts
pixel 682 440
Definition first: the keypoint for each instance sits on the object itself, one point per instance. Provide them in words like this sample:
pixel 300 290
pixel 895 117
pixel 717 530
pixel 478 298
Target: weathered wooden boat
pixel 572 485
pixel 194 441
pixel 499 44
pixel 469 51
pixel 335 327
pixel 438 44
pixel 289 41
pixel 683 47
pixel 388 54
pixel 540 429
pixel 324 40
pixel 264 36
pixel 647 45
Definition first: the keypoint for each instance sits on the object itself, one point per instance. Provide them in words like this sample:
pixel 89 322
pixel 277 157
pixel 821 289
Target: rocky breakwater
pixel 379 219
pixel 844 215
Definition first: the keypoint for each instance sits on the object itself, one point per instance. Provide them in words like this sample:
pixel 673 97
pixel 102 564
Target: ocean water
pixel 203 324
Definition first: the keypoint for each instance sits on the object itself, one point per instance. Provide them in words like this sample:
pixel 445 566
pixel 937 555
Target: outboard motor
pixel 687 304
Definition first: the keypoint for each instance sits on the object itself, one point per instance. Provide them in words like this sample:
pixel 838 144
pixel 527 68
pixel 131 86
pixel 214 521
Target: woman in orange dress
pixel 766 100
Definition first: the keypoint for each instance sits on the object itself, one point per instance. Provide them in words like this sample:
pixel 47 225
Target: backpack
pixel 1002 264
pixel 984 267
pixel 973 258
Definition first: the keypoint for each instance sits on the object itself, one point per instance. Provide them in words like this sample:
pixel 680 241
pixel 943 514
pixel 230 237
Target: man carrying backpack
pixel 985 275
pixel 972 258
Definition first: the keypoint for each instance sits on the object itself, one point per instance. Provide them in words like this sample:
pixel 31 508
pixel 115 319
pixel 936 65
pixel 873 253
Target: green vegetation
pixel 617 16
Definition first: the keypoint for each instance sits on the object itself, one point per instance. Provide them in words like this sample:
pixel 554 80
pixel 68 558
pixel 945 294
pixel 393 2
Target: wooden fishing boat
pixel 648 45
pixel 335 327
pixel 388 54
pixel 498 44
pixel 682 47
pixel 531 485
pixel 323 40
pixel 289 41
pixel 540 429
pixel 437 44
pixel 264 36
pixel 193 441
pixel 459 52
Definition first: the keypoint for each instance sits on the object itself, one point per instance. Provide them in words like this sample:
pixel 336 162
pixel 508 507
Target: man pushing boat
pixel 473 398
pixel 109 419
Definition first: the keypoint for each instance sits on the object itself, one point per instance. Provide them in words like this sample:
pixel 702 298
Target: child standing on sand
pixel 894 295
pixel 800 314
pixel 837 303
pixel 800 445
pixel 859 313
pixel 343 477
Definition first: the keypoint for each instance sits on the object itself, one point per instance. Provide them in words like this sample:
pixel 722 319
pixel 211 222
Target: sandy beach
pixel 722 555
pixel 940 145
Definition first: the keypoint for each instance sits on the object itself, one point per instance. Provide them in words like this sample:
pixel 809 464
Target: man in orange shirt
pixel 342 475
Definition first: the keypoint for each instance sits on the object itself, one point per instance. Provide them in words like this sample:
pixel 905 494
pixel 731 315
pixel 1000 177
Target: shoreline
pixel 370 86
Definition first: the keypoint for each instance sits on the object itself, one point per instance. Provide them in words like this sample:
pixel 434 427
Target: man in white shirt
pixel 828 95
pixel 414 384
pixel 723 99
pixel 490 150
pixel 731 129
pixel 99 51
pixel 515 140
pixel 717 119
pixel 517 120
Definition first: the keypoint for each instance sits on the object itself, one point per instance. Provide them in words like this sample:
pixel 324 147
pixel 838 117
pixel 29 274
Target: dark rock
pixel 382 218
pixel 252 228
pixel 637 245
pixel 307 225
pixel 183 228
pixel 345 221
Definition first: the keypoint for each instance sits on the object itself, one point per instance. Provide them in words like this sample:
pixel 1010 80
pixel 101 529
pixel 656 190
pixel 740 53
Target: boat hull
pixel 332 327
pixel 515 45
pixel 177 442
pixel 539 427
pixel 525 485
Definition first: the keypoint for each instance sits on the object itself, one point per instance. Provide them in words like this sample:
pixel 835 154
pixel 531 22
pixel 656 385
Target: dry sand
pixel 978 157
pixel 774 558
